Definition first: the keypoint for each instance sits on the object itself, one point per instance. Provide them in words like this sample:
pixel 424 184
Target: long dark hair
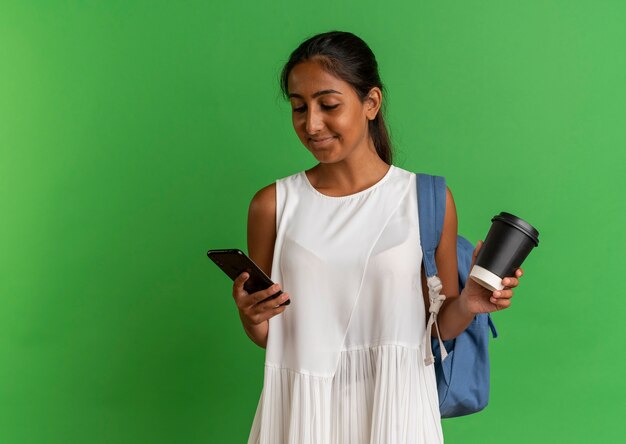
pixel 347 57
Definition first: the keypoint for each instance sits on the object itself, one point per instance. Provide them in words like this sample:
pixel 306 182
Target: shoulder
pixel 263 203
pixel 403 173
pixel 262 227
pixel 264 200
pixel 450 220
pixel 449 197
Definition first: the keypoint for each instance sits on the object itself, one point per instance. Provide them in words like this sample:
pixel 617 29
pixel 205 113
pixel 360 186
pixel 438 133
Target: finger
pixel 501 303
pixel 238 291
pixel 476 250
pixel 271 304
pixel 260 296
pixel 240 280
pixel 519 272
pixel 506 303
pixel 271 313
pixel 502 294
pixel 265 310
pixel 510 282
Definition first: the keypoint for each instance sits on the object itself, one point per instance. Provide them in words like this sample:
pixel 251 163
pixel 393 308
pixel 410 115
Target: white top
pixel 344 362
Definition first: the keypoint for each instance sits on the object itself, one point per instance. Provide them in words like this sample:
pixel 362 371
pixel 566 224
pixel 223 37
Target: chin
pixel 325 156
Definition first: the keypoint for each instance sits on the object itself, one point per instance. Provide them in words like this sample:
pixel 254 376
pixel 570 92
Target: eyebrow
pixel 317 94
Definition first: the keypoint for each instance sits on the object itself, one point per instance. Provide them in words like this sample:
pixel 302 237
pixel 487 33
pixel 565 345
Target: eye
pixel 302 108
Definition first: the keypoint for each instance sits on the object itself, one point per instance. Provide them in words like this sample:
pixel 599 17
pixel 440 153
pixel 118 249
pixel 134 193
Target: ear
pixel 373 102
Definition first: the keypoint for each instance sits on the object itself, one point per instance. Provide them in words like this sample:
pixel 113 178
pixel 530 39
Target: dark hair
pixel 347 57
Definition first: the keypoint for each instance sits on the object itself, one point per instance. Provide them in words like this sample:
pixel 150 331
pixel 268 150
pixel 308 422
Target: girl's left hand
pixel 479 299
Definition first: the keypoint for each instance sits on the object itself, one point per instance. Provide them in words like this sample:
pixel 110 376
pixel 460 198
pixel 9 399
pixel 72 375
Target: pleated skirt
pixel 379 395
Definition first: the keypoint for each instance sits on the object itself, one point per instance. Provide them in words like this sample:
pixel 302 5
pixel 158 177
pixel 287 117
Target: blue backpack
pixel 462 363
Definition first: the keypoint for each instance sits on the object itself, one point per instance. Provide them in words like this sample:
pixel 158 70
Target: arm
pixel 458 311
pixel 454 317
pixel 253 313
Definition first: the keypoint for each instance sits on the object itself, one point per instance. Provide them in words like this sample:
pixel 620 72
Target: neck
pixel 348 176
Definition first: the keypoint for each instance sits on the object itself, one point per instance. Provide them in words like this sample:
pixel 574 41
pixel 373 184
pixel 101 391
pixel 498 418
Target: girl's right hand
pixel 252 309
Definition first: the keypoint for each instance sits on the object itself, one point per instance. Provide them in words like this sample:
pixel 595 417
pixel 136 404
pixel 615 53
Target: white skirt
pixel 382 394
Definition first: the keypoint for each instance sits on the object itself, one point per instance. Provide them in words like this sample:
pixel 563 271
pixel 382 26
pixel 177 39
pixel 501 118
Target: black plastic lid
pixel 520 224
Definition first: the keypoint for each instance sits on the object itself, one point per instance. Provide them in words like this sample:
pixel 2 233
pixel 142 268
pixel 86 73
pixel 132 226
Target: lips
pixel 321 141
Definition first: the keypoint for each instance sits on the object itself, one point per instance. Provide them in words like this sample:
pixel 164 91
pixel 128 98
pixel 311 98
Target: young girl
pixel 345 360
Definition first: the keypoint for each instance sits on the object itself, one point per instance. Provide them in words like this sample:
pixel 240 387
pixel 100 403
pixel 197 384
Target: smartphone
pixel 233 262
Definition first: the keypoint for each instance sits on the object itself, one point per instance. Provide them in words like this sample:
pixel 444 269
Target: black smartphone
pixel 233 262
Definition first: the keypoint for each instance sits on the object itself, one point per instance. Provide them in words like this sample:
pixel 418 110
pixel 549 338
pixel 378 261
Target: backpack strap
pixel 431 192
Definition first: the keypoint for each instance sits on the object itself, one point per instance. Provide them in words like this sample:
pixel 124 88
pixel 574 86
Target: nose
pixel 314 122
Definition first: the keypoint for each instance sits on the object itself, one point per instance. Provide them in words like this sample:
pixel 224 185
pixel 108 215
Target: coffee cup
pixel 508 242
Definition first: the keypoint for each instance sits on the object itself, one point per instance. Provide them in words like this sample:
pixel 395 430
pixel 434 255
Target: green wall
pixel 134 134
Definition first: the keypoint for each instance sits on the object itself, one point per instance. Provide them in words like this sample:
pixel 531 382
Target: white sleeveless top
pixel 344 362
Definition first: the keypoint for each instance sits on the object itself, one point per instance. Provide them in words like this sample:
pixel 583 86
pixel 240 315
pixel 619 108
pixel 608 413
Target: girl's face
pixel 327 114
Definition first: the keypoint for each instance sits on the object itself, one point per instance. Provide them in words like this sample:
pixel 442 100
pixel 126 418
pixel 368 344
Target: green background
pixel 134 134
